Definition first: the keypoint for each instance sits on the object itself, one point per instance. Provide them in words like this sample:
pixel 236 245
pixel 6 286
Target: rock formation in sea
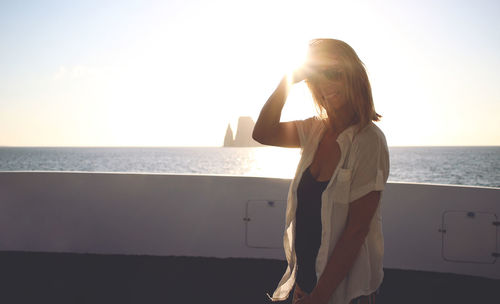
pixel 243 136
pixel 229 138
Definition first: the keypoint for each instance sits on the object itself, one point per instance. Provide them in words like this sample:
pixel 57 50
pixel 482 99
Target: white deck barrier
pixel 438 228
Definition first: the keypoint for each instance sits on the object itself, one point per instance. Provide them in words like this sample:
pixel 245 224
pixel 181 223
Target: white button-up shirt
pixel 363 167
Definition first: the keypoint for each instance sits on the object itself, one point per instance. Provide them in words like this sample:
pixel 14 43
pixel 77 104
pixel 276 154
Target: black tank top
pixel 308 229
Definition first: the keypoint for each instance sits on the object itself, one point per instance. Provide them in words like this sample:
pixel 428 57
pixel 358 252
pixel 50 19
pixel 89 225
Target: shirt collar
pixel 348 133
pixel 347 136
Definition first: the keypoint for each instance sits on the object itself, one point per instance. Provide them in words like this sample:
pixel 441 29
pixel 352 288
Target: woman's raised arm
pixel 268 129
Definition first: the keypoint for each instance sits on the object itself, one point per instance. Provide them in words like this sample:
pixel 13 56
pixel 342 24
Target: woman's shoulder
pixel 370 135
pixel 316 120
pixel 310 124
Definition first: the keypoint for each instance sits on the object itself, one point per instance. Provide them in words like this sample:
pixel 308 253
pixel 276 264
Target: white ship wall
pixel 426 227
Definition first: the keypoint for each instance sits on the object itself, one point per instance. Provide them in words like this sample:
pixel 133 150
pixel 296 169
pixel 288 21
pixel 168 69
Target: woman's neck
pixel 343 119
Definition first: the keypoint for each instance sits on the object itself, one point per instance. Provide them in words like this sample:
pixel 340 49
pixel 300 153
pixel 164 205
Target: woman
pixel 333 234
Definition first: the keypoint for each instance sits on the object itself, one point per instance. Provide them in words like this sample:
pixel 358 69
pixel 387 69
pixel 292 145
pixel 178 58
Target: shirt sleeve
pixel 304 128
pixel 370 168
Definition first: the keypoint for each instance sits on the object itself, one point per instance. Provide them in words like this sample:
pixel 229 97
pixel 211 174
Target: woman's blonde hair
pixel 357 87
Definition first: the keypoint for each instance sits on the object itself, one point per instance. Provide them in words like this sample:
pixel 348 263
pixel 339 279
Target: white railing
pixel 426 227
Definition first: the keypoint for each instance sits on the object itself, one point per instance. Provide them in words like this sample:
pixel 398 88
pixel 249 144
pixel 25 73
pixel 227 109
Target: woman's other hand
pixel 307 299
pixel 302 297
pixel 299 296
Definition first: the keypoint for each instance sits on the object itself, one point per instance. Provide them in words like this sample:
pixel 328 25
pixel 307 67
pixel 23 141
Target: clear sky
pixel 175 73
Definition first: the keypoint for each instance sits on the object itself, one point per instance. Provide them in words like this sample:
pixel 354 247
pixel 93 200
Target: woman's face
pixel 327 76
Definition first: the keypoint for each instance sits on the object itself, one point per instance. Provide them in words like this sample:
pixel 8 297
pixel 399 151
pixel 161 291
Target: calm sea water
pixel 475 166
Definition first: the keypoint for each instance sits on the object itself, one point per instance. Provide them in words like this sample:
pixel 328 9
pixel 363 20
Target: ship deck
pixel 36 277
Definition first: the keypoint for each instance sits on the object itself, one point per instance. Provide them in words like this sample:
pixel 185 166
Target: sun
pixel 294 58
pixel 299 104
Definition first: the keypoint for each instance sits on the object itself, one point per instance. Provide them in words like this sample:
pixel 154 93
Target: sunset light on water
pixel 274 162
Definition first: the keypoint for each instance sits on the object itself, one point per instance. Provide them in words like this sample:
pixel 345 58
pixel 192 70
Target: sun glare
pixel 299 104
pixel 294 59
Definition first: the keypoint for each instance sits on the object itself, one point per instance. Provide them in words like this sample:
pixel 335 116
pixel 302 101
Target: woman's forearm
pixel 270 114
pixel 340 262
pixel 347 248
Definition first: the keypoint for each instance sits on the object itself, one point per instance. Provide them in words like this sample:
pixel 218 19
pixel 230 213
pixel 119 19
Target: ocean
pixel 473 166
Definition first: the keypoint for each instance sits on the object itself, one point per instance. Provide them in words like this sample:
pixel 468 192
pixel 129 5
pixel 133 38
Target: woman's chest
pixel 326 158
